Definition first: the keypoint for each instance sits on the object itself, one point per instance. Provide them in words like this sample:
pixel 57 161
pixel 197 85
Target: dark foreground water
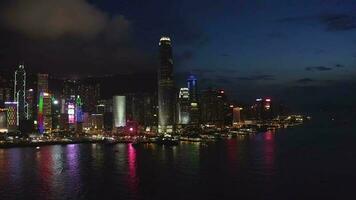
pixel 314 161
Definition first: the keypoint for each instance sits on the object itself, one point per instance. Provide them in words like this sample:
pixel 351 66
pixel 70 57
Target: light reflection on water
pixel 230 168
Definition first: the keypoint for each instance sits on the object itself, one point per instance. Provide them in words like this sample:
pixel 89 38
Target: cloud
pixel 332 22
pixel 264 77
pixel 305 80
pixel 56 18
pixel 339 66
pixel 318 68
pixel 338 22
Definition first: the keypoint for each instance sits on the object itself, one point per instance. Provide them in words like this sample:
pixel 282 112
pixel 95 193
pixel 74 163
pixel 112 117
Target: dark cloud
pixel 339 66
pixel 305 80
pixel 318 68
pixel 264 77
pixel 54 19
pixel 338 22
pixel 332 22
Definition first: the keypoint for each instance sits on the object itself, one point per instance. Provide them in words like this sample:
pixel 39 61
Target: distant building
pixel 20 93
pixel 119 111
pixel 12 119
pixel 3 120
pixel 183 106
pixel 166 91
pixel 236 112
pixel 194 113
pixel 214 107
pixel 44 113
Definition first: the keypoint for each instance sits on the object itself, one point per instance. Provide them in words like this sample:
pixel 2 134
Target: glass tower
pixel 166 92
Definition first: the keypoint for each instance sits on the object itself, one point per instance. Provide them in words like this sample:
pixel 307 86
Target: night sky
pixel 299 51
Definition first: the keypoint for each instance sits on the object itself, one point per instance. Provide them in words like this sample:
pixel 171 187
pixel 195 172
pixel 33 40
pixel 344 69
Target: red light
pixel 268 100
pixel 131 129
pixel 222 92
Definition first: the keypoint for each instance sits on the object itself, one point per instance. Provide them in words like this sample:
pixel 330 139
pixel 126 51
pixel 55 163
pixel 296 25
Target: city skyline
pixel 285 49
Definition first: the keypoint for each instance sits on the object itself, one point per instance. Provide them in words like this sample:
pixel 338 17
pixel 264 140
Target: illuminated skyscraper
pixel 119 111
pixel 183 106
pixel 42 83
pixel 44 113
pixel 192 86
pixel 166 92
pixel 20 93
pixel 12 119
pixel 193 97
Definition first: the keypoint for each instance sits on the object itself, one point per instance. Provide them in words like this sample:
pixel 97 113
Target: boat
pixel 168 141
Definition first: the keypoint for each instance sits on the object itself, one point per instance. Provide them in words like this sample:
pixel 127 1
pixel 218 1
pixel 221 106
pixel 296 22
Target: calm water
pixel 315 161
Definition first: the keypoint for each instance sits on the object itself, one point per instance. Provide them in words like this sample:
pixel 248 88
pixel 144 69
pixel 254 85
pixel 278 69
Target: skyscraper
pixel 20 92
pixel 119 111
pixel 166 92
pixel 193 98
pixel 183 106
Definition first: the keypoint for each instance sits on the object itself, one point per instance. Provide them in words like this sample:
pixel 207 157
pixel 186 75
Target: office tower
pixel 3 120
pixel 183 106
pixel 105 107
pixel 44 113
pixel 42 83
pixel 56 113
pixel 214 107
pixel 193 89
pixel 20 93
pixel 70 88
pixel 89 92
pixel 119 111
pixel 150 110
pixel 30 100
pixel 236 113
pixel 12 118
pixel 193 97
pixel 166 91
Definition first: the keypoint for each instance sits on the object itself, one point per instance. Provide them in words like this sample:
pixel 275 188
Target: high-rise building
pixel 12 118
pixel 166 90
pixel 119 111
pixel 42 83
pixel 30 100
pixel 194 101
pixel 20 93
pixel 44 114
pixel 183 106
pixel 236 113
pixel 214 107
pixel 3 120
pixel 193 88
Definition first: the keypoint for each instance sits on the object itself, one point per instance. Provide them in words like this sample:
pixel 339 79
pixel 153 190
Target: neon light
pixel 40 114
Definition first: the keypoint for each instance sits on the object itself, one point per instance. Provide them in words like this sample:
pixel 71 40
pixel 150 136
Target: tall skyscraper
pixel 183 106
pixel 20 92
pixel 44 112
pixel 119 111
pixel 12 119
pixel 192 86
pixel 166 91
pixel 193 98
pixel 42 83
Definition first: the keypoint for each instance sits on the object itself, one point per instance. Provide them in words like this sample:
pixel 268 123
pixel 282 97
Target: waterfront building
pixel 12 118
pixel 166 91
pixel 183 106
pixel 44 113
pixel 119 111
pixel 194 113
pixel 20 93
pixel 236 112
pixel 3 120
